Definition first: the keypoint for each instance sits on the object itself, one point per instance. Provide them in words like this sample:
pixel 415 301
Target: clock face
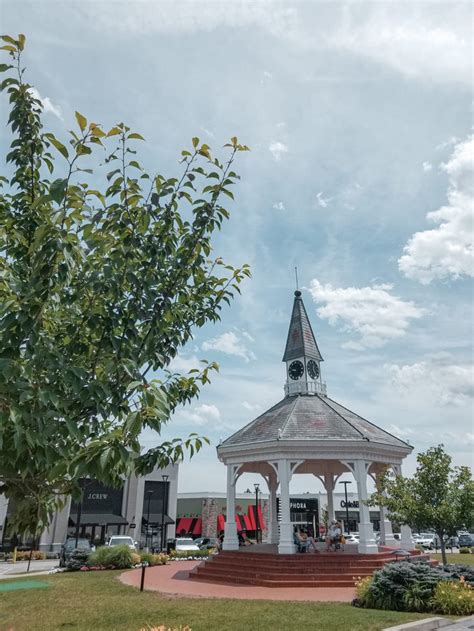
pixel 296 370
pixel 313 369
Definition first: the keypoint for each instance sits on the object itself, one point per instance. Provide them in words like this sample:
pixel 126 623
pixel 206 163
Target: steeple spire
pixel 300 341
pixel 302 354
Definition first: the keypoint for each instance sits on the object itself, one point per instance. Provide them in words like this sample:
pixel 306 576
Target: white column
pixel 272 511
pixel 406 539
pixel 286 545
pixel 367 543
pixel 329 486
pixel 231 540
pixel 386 532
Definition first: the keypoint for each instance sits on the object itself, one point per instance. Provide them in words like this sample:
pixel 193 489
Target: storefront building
pixel 143 508
pixel 203 514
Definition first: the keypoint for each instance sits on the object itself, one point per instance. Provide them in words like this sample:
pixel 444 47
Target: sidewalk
pixel 173 579
pixel 11 570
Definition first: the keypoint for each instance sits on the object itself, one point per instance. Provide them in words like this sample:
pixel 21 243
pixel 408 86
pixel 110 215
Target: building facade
pixel 204 514
pixel 143 508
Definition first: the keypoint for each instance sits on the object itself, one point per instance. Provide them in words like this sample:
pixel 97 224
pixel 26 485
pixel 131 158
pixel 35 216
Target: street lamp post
pixel 149 493
pixel 163 509
pixel 256 511
pixel 346 482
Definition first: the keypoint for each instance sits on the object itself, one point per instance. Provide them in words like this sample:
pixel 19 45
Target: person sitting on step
pixel 301 540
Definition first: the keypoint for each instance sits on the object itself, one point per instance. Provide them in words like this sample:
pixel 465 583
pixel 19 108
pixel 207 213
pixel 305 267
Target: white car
pixel 426 539
pixel 352 538
pixel 186 544
pixel 122 540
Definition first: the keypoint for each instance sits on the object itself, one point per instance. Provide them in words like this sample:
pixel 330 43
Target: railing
pixel 303 387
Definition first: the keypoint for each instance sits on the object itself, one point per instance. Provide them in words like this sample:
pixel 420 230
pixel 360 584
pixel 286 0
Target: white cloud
pixel 279 206
pixel 446 251
pixel 229 344
pixel 322 201
pixel 277 149
pixel 427 166
pixel 374 313
pixel 423 40
pixel 208 132
pixel 251 407
pixel 184 364
pixel 48 105
pixel 434 380
pixel 267 75
pixel 200 414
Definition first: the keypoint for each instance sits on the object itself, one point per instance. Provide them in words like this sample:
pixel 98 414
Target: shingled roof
pixel 311 418
pixel 300 341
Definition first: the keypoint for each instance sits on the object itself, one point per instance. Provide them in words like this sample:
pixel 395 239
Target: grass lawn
pixel 461 559
pixel 98 601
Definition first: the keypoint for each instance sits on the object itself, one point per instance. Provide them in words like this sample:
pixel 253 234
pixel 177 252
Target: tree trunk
pixel 442 544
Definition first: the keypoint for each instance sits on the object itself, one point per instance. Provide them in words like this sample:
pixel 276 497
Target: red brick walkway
pixel 173 579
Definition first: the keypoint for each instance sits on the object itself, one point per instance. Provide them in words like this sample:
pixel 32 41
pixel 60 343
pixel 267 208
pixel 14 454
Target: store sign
pixel 298 505
pixel 99 498
pixel 350 504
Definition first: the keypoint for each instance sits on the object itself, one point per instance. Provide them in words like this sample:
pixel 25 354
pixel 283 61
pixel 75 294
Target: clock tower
pixel 302 356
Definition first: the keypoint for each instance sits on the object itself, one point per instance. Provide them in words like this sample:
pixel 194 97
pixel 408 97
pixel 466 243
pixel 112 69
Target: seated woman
pixel 334 536
pixel 301 540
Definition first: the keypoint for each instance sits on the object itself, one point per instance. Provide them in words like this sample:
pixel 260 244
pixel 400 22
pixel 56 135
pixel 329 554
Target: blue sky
pixel 359 117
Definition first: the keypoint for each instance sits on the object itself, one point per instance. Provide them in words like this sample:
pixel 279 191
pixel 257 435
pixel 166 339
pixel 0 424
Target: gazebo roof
pixel 311 418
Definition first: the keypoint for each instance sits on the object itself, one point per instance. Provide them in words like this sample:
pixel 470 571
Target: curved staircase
pixel 292 570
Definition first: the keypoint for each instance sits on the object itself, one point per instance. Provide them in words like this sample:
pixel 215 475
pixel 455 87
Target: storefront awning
pixel 156 519
pixel 197 527
pixel 97 519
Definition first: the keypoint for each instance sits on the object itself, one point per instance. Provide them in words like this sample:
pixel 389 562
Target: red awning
pixel 197 530
pixel 238 521
pixel 220 523
pixel 251 510
pixel 260 518
pixel 183 524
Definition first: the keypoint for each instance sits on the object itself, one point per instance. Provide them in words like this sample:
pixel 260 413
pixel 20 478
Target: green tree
pixel 99 289
pixel 438 497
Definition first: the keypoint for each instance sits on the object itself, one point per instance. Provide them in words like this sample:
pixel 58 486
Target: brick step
pixel 287 576
pixel 357 571
pixel 304 558
pixel 312 567
pixel 229 580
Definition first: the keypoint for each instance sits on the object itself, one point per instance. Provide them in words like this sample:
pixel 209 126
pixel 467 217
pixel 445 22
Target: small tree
pixel 438 497
pixel 100 286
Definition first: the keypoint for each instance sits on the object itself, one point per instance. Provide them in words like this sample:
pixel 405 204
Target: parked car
pixel 69 546
pixel 185 544
pixel 426 540
pixel 466 540
pixel 122 540
pixel 352 538
pixel 206 543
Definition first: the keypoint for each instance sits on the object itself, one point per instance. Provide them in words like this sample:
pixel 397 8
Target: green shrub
pixel 362 587
pixel 147 557
pixel 100 557
pixel 160 559
pixel 464 550
pixel 135 558
pixel 78 559
pixel 189 554
pixel 457 570
pixel 401 586
pixel 119 557
pixel 453 598
pixel 24 555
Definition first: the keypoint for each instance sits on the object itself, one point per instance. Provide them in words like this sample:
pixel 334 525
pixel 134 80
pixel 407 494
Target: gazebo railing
pixel 302 387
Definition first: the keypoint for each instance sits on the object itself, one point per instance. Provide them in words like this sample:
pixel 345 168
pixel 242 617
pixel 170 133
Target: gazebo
pixel 309 433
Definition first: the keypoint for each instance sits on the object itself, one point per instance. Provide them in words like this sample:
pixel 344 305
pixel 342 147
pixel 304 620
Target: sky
pixel 359 120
